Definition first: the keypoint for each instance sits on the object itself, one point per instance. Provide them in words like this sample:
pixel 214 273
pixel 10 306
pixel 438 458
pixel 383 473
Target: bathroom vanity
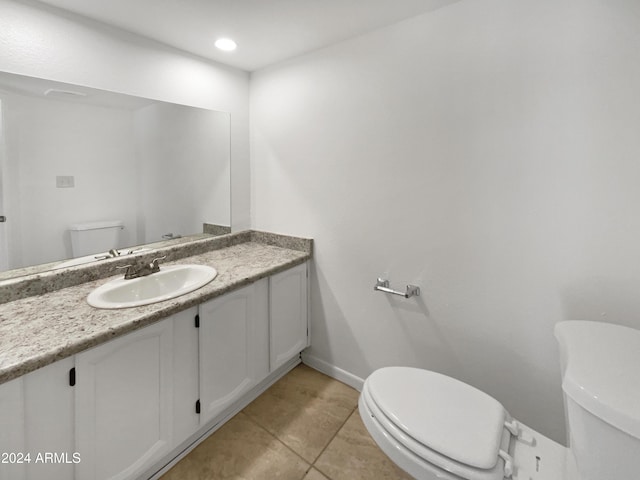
pixel 95 394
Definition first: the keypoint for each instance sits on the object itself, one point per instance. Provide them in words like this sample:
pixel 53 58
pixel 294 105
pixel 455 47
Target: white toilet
pixel 93 237
pixel 435 427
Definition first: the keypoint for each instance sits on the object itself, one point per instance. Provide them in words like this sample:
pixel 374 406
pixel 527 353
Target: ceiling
pixel 266 31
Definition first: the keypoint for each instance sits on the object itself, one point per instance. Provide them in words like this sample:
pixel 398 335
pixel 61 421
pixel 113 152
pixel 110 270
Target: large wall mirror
pixel 72 155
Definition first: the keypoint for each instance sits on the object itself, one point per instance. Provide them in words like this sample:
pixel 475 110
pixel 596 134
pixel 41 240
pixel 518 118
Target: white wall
pixel 487 152
pixel 45 42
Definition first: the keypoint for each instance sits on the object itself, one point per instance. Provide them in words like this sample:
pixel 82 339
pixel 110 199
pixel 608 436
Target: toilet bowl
pixel 436 427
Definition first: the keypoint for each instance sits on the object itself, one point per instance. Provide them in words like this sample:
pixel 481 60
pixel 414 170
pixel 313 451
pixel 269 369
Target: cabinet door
pixel 36 425
pixel 233 347
pixel 124 404
pixel 12 430
pixel 185 375
pixel 49 433
pixel 288 314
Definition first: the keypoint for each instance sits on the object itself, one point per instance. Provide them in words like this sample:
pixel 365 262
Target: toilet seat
pixel 444 423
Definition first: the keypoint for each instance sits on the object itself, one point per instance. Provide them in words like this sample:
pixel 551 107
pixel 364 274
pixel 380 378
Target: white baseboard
pixel 333 371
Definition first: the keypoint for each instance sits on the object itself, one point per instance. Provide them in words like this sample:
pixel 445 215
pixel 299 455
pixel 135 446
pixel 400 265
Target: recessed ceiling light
pixel 225 44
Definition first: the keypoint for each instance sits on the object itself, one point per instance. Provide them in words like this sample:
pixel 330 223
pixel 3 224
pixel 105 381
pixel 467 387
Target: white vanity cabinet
pixel 288 303
pixel 126 407
pixel 234 343
pixel 36 425
pixel 124 397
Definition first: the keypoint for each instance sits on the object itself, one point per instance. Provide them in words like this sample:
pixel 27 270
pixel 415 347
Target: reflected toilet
pixel 94 237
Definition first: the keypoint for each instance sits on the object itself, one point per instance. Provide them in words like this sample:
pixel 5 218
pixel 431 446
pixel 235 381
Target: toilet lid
pixel 444 414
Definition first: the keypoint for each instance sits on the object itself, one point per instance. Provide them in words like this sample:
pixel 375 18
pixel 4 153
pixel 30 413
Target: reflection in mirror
pixel 73 156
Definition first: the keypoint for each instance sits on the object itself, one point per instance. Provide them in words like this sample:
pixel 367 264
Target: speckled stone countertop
pixel 38 330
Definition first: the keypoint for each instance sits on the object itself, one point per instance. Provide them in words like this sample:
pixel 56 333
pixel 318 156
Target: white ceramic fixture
pixel 91 237
pixel 438 428
pixel 169 282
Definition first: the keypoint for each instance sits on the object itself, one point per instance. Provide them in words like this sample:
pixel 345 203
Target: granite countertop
pixel 38 330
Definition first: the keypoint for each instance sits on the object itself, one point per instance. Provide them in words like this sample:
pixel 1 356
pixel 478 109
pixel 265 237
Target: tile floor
pixel 305 427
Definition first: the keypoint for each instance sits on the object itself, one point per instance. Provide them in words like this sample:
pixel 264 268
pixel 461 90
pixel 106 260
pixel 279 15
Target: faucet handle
pixel 127 273
pixel 154 264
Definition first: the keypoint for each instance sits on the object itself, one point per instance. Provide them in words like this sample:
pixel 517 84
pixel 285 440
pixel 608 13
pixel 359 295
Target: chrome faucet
pixel 111 254
pixel 171 236
pixel 141 270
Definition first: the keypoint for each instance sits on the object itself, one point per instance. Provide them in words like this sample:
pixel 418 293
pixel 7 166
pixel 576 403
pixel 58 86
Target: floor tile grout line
pixel 257 421
pixel 283 444
pixel 313 465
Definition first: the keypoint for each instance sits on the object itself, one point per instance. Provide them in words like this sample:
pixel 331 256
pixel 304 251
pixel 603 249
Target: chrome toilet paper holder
pixel 382 285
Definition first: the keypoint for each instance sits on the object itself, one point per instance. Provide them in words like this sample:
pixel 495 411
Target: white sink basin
pixel 169 282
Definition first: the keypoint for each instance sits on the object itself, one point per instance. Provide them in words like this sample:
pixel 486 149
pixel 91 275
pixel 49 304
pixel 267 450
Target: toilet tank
pixel 95 237
pixel 601 386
